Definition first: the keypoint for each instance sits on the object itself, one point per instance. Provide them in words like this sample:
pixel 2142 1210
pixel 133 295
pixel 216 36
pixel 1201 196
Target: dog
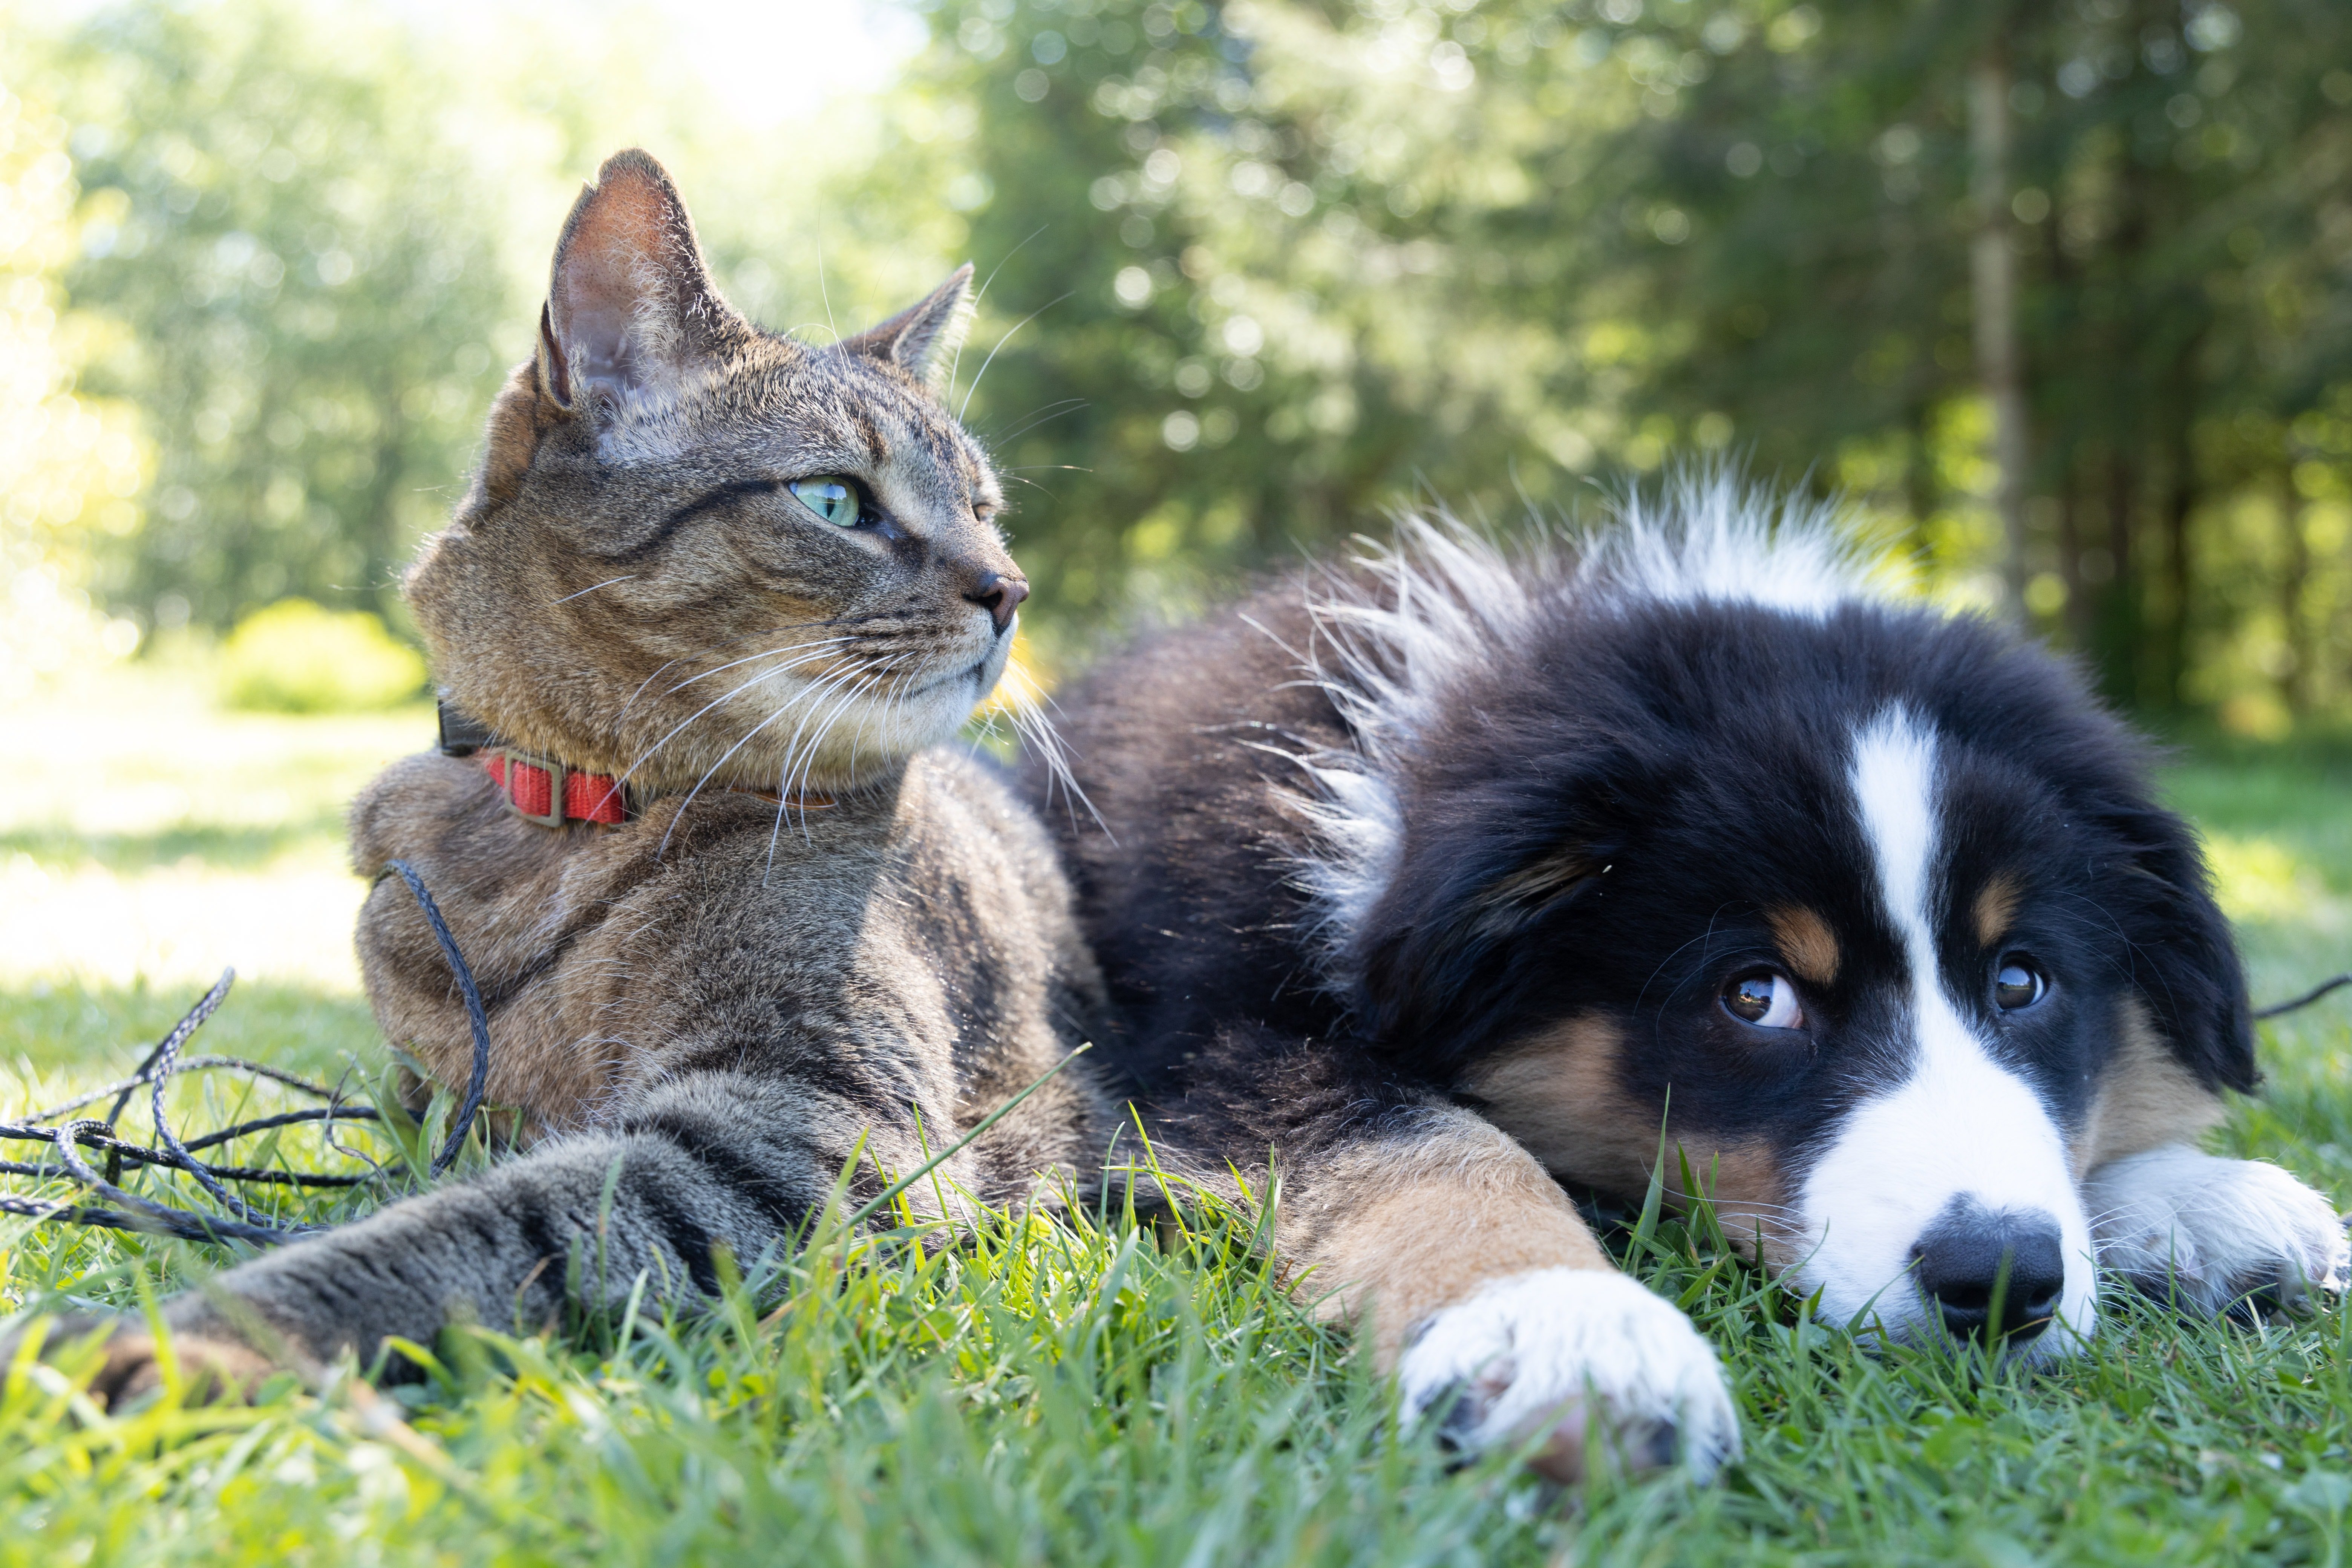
pixel 1431 880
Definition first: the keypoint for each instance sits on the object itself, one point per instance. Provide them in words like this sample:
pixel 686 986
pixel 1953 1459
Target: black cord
pixel 2306 1000
pixel 155 1070
pixel 474 1014
pixel 155 1216
pixel 165 1060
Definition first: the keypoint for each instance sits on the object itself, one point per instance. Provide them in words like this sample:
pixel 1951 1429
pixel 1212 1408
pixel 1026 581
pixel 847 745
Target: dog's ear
pixel 2183 960
pixel 1435 956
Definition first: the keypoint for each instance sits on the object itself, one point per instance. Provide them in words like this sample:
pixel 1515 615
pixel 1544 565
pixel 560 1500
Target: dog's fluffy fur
pixel 1429 880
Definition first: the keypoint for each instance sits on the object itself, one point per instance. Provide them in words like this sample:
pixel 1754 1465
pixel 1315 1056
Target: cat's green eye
pixel 831 497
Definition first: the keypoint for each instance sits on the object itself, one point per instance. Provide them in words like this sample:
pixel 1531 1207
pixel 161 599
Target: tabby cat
pixel 710 598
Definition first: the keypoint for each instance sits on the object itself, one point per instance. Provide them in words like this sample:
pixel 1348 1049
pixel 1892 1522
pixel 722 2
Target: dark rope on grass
pixel 190 1064
pixel 172 1039
pixel 143 1213
pixel 2306 999
pixel 117 1152
pixel 287 1119
pixel 474 1014
pixel 167 1058
pixel 155 1072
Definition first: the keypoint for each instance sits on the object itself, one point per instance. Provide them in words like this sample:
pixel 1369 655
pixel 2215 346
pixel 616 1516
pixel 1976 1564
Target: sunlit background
pixel 2063 305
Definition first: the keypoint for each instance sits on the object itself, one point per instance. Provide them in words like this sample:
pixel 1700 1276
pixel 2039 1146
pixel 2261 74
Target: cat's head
pixel 696 548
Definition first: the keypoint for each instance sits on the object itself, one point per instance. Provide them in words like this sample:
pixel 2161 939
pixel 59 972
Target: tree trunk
pixel 2297 682
pixel 2179 502
pixel 1993 273
pixel 2079 616
pixel 2122 608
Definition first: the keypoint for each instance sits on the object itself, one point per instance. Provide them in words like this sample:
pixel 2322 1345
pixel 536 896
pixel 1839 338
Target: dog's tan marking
pixel 1806 941
pixel 1996 908
pixel 1558 1097
pixel 2145 1097
pixel 1405 1226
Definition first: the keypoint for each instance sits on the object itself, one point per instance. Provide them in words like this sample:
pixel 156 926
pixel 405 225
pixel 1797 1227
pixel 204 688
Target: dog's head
pixel 1867 906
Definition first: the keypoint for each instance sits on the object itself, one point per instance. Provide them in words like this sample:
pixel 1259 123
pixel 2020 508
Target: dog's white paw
pixel 1589 1355
pixel 2205 1231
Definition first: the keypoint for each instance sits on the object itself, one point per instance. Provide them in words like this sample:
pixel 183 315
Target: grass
pixel 1066 1394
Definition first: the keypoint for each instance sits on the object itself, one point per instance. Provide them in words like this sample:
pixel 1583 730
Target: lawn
pixel 1041 1393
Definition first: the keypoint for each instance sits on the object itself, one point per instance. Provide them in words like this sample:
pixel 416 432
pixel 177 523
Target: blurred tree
pixel 306 271
pixel 1318 255
pixel 2165 159
pixel 1265 267
pixel 68 463
pixel 1262 244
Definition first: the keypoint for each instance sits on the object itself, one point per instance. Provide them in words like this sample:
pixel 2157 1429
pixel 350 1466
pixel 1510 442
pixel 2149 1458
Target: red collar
pixel 546 791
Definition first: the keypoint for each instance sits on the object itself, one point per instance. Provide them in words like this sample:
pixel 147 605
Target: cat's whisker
pixel 1035 728
pixel 784 793
pixel 750 657
pixel 1045 415
pixel 640 691
pixel 629 577
pixel 865 719
pixel 823 294
pixel 955 361
pixel 817 692
pixel 680 727
pixel 825 733
pixel 787 707
pixel 1000 344
pixel 825 728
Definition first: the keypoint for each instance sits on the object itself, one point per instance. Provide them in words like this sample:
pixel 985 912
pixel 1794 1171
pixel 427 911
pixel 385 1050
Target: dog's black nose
pixel 1972 1262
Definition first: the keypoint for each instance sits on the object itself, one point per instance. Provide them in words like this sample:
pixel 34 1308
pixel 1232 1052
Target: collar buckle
pixel 517 760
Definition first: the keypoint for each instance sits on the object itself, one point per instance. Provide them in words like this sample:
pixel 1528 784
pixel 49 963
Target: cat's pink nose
pixel 1002 595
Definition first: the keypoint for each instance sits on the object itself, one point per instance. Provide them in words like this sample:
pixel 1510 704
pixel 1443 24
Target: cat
pixel 711 599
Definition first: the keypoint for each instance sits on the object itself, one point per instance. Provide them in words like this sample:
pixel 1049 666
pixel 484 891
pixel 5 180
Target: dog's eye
pixel 831 497
pixel 2019 982
pixel 1765 999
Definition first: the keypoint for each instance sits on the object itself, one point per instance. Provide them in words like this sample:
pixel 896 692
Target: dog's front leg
pixel 2202 1232
pixel 1484 1291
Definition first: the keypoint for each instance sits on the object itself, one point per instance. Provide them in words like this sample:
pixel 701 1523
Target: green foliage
pixel 296 657
pixel 292 237
pixel 1261 269
pixel 1320 256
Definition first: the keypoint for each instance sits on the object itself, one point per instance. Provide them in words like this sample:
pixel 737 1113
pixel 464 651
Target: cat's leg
pixel 1491 1300
pixel 2204 1231
pixel 706 1161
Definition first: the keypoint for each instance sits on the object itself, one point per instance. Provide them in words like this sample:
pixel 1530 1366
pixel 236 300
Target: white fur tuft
pixel 1442 601
pixel 1711 539
pixel 1573 1345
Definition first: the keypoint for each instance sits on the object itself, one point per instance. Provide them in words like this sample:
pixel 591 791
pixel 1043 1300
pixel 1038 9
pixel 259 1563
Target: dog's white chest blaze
pixel 1960 1126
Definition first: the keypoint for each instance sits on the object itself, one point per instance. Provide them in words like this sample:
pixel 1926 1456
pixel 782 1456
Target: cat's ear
pixel 922 339
pixel 630 306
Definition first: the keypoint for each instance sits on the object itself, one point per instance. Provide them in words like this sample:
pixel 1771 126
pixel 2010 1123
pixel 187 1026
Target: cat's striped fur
pixel 812 930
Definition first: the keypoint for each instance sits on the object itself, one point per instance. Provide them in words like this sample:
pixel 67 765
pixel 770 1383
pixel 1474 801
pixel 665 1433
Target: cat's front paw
pixel 1615 1377
pixel 212 1366
pixel 2204 1232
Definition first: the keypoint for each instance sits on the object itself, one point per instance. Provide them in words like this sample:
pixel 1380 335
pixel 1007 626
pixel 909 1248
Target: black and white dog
pixel 1439 878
